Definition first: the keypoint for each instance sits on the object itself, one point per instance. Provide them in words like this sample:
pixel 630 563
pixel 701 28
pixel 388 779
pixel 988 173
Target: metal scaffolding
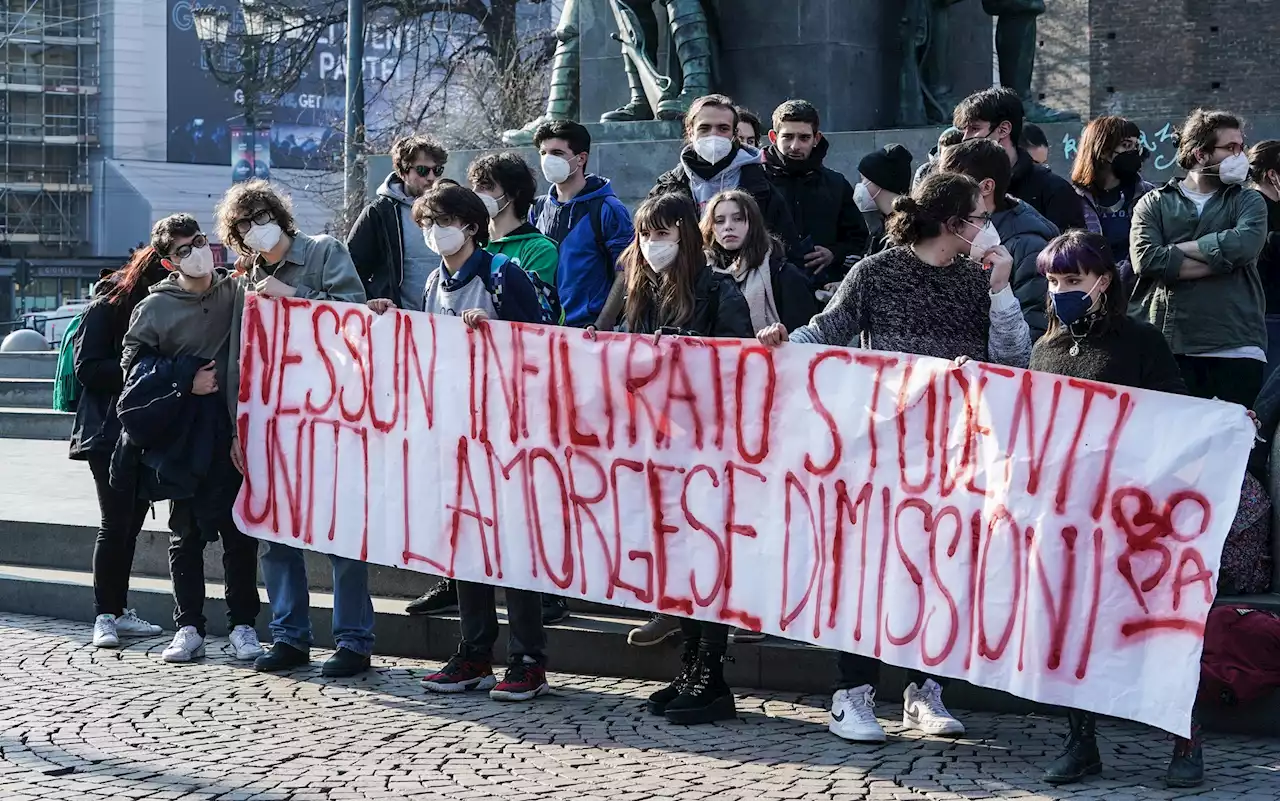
pixel 49 79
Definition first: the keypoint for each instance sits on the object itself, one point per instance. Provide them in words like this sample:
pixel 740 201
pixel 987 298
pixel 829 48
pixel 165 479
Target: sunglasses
pixel 260 218
pixel 423 171
pixel 195 244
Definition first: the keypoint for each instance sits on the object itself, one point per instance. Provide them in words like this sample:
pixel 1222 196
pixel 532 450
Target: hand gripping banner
pixel 1054 538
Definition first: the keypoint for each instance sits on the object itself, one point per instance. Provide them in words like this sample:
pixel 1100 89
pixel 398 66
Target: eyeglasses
pixel 1235 148
pixel 195 244
pixel 262 217
pixel 423 170
pixel 983 218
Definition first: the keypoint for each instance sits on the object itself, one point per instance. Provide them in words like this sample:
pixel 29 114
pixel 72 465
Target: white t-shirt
pixel 1198 198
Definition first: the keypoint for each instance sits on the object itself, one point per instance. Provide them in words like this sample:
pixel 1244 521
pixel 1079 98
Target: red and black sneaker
pixel 460 675
pixel 524 682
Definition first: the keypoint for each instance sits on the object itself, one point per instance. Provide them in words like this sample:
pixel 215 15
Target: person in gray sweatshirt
pixel 279 261
pixel 190 313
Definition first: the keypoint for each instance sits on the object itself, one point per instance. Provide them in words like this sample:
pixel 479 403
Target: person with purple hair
pixel 1091 336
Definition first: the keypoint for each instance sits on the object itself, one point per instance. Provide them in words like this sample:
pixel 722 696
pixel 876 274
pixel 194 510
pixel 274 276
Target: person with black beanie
pixel 886 176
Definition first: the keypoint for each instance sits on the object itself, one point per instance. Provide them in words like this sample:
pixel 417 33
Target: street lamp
pixel 265 56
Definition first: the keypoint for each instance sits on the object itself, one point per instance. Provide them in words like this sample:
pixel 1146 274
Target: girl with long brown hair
pixel 671 290
pixel 739 245
pixel 1107 177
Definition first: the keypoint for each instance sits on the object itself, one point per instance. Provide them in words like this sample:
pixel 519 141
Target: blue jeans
pixel 285 574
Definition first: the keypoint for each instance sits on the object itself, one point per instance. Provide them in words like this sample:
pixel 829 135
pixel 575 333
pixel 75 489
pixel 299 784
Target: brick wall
pixel 1149 58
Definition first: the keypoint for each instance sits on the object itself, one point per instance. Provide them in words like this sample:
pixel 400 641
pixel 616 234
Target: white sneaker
pixel 244 640
pixel 922 709
pixel 129 624
pixel 104 632
pixel 853 715
pixel 186 645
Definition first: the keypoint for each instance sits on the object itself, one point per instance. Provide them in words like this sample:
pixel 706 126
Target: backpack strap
pixel 497 280
pixel 595 210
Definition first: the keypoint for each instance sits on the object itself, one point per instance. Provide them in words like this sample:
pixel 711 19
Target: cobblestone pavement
pixel 87 724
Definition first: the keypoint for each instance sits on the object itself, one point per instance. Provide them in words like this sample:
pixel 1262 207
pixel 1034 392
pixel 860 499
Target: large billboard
pixel 305 122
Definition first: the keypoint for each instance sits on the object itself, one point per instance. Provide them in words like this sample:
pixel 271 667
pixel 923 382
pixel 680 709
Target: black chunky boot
pixel 688 660
pixel 705 697
pixel 1186 768
pixel 1080 756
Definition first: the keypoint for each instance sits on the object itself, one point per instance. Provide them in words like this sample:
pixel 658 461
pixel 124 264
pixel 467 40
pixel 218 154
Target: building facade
pixel 50 91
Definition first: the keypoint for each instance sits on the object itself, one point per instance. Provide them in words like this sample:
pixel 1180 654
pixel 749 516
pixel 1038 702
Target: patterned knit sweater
pixel 893 301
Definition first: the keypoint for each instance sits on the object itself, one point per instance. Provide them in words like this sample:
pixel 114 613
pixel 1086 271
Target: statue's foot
pixel 522 137
pixel 631 112
pixel 1039 113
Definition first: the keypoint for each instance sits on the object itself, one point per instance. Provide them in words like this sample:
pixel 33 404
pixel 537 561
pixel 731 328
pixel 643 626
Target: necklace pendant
pixel 1075 349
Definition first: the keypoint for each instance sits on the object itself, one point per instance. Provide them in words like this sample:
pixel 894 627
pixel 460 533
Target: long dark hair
pixel 1084 253
pixel 671 295
pixel 755 246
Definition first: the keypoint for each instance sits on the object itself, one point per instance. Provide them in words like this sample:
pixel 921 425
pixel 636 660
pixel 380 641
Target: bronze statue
pixel 654 94
pixel 1016 52
pixel 925 92
pixel 690 57
pixel 562 102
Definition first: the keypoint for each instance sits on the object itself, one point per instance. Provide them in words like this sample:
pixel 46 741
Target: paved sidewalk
pixel 87 724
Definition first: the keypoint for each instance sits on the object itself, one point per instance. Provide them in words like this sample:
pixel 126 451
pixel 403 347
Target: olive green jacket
pixel 1221 311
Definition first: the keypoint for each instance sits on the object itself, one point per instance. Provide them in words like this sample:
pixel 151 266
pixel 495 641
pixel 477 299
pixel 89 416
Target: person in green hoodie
pixel 279 261
pixel 506 185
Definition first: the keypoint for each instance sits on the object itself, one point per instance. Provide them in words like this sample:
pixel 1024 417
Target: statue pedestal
pixel 843 56
pixel 651 131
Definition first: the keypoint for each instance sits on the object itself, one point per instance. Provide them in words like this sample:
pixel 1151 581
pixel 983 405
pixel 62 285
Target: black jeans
pixel 122 517
pixel 478 611
pixel 856 670
pixel 1232 380
pixel 715 635
pixel 186 567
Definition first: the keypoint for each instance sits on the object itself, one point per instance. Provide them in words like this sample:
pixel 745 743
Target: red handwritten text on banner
pixel 1055 538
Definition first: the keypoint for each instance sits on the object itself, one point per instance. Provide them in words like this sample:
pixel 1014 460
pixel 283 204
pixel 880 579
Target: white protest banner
pixel 1054 538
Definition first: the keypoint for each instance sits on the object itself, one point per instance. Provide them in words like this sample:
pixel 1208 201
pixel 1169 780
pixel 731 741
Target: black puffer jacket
pixel 719 310
pixel 751 178
pixel 97 365
pixel 1047 192
pixel 821 204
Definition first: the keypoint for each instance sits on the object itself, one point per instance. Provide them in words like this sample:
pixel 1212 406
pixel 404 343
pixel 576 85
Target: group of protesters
pixel 980 253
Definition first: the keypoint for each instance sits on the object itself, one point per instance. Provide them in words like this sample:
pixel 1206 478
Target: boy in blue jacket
pixel 586 219
pixel 470 284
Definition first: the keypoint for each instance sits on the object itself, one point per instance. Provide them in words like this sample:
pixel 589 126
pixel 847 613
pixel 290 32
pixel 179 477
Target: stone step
pixel 27 393
pixel 70 547
pixel 17 422
pixel 588 644
pixel 28 364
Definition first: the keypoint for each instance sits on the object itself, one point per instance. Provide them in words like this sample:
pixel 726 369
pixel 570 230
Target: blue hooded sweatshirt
pixel 585 272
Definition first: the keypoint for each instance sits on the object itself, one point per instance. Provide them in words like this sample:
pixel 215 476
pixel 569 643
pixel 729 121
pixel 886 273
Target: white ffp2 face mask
pixel 660 255
pixel 865 201
pixel 986 239
pixel 491 205
pixel 263 238
pixel 556 169
pixel 444 241
pixel 198 263
pixel 712 149
pixel 1234 169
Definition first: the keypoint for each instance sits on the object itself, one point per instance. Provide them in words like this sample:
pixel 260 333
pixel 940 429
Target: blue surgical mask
pixel 1071 306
